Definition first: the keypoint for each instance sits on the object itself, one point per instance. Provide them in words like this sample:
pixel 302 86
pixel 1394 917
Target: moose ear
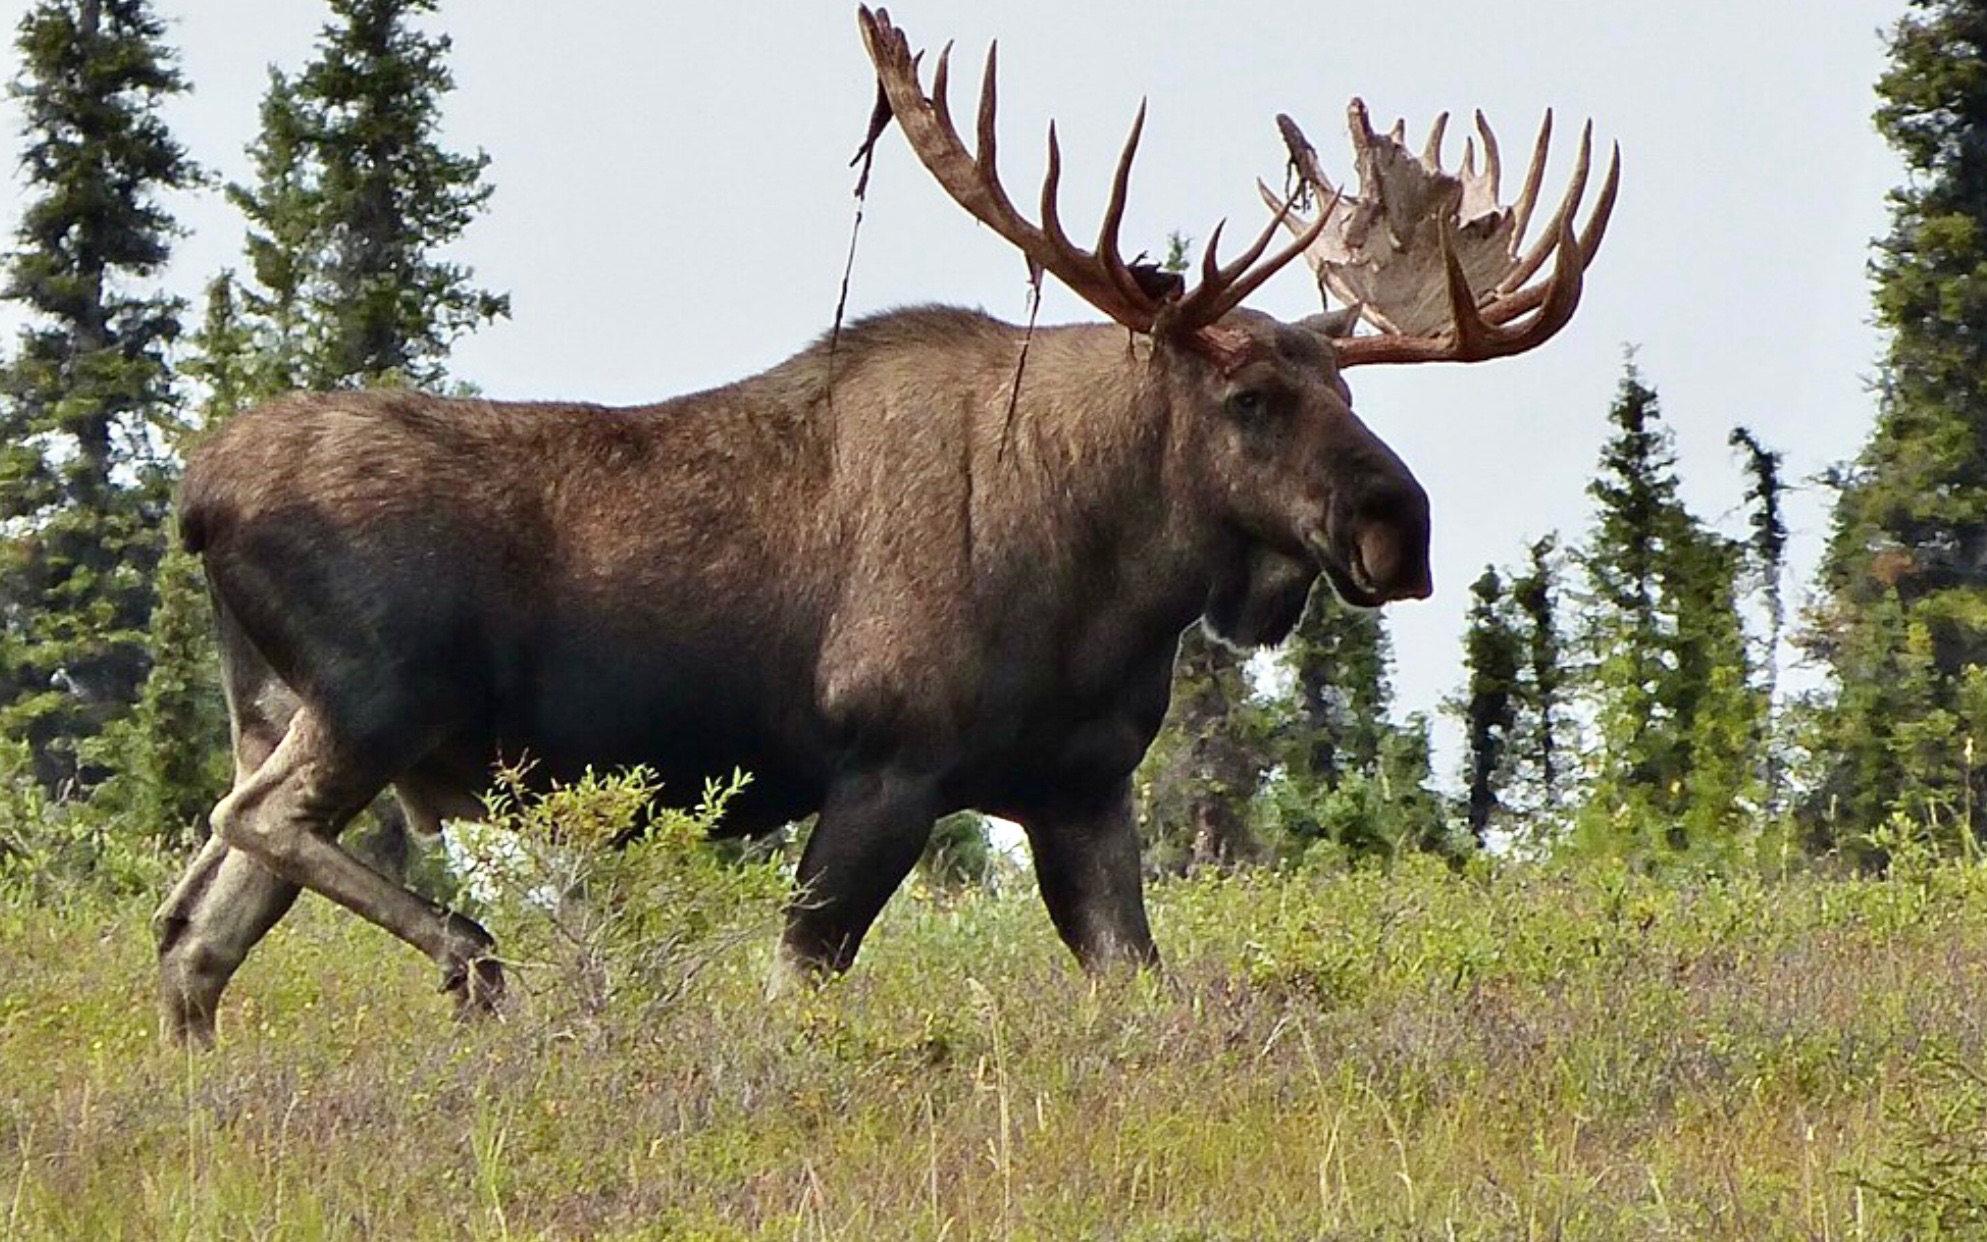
pixel 1333 325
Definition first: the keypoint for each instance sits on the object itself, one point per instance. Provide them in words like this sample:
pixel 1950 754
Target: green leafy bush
pixel 607 896
pixel 50 847
pixel 1937 1177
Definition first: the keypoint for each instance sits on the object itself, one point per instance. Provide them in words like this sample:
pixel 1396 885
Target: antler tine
pixel 1597 223
pixel 1102 277
pixel 983 156
pixel 1575 190
pixel 1493 163
pixel 1431 154
pixel 1051 184
pixel 1210 267
pixel 1528 195
pixel 984 138
pixel 941 88
pixel 1114 212
pixel 1222 290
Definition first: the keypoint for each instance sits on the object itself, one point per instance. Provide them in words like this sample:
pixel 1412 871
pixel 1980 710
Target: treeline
pixel 1619 689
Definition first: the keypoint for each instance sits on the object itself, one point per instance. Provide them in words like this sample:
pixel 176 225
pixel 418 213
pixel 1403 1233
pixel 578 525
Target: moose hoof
pixel 186 1020
pixel 469 969
pixel 477 985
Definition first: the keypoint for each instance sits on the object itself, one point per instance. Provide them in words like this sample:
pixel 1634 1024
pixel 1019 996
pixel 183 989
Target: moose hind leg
pixel 287 817
pixel 224 906
pixel 225 902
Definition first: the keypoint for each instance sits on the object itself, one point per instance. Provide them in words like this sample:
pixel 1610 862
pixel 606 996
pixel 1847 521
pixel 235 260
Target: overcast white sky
pixel 673 203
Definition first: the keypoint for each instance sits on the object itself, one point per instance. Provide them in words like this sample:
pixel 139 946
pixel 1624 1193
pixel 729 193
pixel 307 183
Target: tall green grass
pixel 1511 1052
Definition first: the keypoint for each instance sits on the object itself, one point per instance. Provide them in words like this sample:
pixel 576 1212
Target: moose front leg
pixel 871 831
pixel 1087 865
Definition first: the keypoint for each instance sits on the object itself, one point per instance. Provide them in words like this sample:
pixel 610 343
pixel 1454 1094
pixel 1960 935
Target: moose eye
pixel 1249 404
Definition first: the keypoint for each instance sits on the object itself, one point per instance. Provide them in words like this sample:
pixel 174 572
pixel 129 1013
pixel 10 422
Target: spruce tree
pixel 1716 708
pixel 960 853
pixel 1348 778
pixel 1512 706
pixel 1417 817
pixel 1766 550
pixel 1903 619
pixel 1540 775
pixel 226 361
pixel 1667 682
pixel 286 225
pixel 1493 660
pixel 1635 493
pixel 88 396
pixel 1339 658
pixel 1202 772
pixel 352 202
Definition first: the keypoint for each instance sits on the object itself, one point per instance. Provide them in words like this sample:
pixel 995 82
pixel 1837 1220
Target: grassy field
pixel 1513 1053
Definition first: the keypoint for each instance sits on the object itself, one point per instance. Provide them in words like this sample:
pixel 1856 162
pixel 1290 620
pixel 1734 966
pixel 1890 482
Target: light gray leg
pixel 217 912
pixel 286 817
pixel 225 905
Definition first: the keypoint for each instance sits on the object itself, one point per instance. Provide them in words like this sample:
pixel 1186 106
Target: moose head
pixel 1429 260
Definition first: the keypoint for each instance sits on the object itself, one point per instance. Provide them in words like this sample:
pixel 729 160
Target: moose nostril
pixel 1379 555
pixel 1393 560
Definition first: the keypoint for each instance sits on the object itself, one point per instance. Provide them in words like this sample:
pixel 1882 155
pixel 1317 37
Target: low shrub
pixel 603 894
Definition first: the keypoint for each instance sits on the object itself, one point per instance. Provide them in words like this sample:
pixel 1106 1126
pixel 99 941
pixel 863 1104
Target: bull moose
pixel 935 561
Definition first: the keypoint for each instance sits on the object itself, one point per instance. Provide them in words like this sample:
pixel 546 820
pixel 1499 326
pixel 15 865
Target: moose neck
pixel 1053 470
pixel 1101 441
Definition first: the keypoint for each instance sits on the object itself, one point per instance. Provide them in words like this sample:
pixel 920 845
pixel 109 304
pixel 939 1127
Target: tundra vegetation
pixel 1405 1051
pixel 1717 973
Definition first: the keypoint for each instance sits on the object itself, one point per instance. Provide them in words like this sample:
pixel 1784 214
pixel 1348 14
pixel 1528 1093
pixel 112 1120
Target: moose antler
pixel 1136 295
pixel 1430 258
